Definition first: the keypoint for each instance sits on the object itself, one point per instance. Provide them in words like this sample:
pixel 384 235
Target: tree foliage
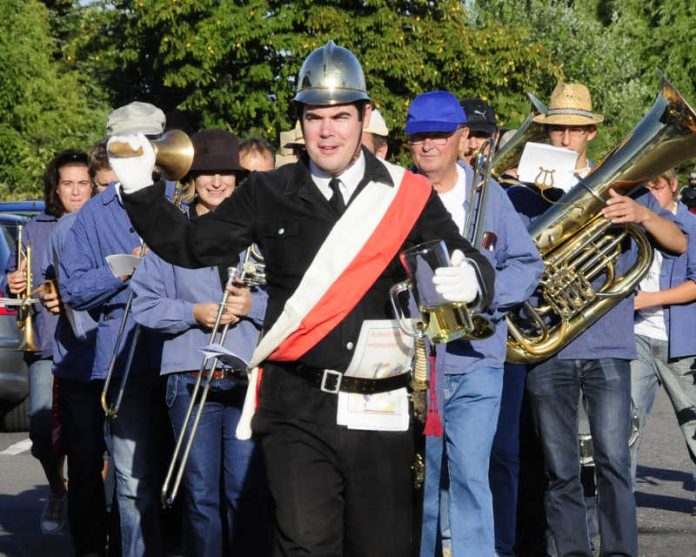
pixel 44 106
pixel 233 64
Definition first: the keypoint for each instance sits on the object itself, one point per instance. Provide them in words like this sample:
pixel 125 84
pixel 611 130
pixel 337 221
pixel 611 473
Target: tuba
pixel 580 246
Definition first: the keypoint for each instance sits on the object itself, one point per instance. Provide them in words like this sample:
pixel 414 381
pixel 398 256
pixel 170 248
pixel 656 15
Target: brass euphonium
pixel 25 321
pixel 580 246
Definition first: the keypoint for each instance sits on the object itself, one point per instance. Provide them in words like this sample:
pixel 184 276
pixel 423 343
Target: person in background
pixel 99 168
pixel 468 375
pixel 482 125
pixel 688 193
pixel 665 319
pixel 67 186
pixel 291 146
pixel 134 438
pixel 591 367
pixel 225 497
pixel 376 135
pixel 255 153
pixel 81 416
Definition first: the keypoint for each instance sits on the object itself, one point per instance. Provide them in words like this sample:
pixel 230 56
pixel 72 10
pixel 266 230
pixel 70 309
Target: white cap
pixel 136 117
pixel 377 124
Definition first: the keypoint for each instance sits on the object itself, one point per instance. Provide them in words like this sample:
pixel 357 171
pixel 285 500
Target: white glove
pixel 458 282
pixel 134 173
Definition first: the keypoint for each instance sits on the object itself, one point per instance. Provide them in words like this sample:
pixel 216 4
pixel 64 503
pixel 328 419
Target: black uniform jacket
pixel 286 215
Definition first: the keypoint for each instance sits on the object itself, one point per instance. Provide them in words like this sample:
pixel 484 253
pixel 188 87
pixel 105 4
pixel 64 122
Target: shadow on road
pixel 654 476
pixel 20 534
pixel 651 479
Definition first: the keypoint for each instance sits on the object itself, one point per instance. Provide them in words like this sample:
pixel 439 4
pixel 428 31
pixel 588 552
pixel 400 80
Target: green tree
pixel 43 106
pixel 233 64
pixel 612 46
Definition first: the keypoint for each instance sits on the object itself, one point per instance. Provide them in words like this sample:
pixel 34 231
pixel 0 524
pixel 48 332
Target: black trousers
pixel 339 492
pixel 82 431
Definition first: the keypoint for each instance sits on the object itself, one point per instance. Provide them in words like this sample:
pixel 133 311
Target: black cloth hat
pixel 215 150
pixel 480 116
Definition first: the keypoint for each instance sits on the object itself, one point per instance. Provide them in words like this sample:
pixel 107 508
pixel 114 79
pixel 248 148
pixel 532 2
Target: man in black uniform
pixel 330 227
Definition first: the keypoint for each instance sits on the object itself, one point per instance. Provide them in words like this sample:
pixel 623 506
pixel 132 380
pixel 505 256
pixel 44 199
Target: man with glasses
pixel 468 375
pixel 595 365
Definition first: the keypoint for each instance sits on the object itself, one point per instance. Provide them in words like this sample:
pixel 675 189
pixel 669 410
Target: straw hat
pixel 570 105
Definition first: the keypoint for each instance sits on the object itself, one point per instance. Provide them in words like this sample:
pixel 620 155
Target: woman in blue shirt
pixel 223 485
pixel 67 186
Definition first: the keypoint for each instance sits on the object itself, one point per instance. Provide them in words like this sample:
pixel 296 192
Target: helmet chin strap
pixel 351 162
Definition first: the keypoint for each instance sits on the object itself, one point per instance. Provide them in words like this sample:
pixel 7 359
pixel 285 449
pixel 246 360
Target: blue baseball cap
pixel 435 111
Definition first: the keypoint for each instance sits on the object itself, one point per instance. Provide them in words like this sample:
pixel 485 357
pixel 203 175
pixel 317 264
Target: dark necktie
pixel 336 200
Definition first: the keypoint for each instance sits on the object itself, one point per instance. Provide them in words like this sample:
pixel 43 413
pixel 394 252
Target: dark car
pixel 14 379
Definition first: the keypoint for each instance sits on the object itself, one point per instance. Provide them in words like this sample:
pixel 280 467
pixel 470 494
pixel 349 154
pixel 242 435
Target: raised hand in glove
pixel 134 172
pixel 459 281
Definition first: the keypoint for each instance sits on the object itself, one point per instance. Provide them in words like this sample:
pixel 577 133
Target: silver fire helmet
pixel 331 75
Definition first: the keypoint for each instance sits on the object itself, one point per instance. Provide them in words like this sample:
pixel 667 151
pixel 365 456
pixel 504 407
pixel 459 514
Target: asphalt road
pixel 665 495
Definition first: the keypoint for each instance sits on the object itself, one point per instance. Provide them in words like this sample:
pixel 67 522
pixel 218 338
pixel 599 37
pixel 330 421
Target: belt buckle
pixel 337 377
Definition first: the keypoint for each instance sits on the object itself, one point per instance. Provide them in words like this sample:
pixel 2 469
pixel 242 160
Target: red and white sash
pixel 355 253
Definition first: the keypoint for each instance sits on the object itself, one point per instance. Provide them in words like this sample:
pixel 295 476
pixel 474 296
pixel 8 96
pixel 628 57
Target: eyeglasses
pixel 436 138
pixel 575 131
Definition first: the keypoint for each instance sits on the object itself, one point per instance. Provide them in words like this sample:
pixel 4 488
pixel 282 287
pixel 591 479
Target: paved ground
pixel 665 493
pixel 665 496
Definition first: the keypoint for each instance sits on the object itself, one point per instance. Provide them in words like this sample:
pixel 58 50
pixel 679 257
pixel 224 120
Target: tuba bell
pixel 580 246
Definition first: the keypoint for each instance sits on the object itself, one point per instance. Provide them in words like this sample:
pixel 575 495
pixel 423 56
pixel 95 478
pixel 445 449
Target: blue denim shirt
pixel 73 353
pixel 518 267
pixel 37 231
pixel 680 319
pixel 164 298
pixel 102 228
pixel 611 336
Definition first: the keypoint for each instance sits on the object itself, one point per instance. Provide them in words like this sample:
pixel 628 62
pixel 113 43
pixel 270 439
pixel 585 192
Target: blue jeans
pixel 505 459
pixel 554 389
pixel 40 407
pixel 133 440
pixel 457 502
pixel 224 479
pixel 654 367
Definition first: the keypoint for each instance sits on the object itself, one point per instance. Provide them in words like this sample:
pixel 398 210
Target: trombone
pixel 111 410
pixel 169 490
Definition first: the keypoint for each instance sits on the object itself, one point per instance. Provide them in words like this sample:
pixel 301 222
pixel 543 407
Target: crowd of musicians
pixel 272 470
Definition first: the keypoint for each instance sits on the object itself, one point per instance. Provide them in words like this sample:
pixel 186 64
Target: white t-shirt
pixel 650 322
pixel 453 200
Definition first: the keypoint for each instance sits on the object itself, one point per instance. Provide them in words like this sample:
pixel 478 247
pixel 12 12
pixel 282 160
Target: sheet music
pixel 546 165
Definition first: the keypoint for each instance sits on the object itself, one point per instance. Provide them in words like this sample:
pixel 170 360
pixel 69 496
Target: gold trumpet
pixel 173 153
pixel 25 321
pixel 580 246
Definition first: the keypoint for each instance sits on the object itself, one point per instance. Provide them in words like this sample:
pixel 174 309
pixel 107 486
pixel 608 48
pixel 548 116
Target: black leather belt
pixel 331 381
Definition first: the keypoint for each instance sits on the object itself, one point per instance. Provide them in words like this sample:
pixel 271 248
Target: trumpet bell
pixel 173 153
